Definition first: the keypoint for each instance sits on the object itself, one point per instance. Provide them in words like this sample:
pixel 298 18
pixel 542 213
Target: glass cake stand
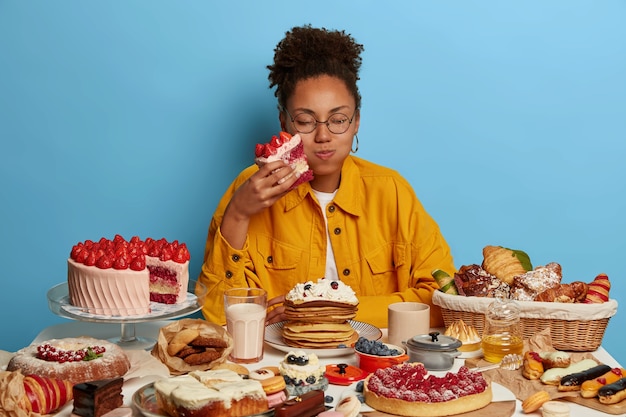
pixel 59 304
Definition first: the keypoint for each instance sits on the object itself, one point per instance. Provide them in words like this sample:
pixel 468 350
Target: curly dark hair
pixel 307 52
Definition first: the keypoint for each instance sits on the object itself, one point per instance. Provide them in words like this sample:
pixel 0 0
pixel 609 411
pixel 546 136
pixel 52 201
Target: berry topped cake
pixel 289 149
pixel 119 277
pixel 318 315
pixel 303 373
pixel 74 359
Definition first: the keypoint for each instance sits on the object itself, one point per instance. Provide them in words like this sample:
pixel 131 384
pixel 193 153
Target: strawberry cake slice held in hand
pixel 288 149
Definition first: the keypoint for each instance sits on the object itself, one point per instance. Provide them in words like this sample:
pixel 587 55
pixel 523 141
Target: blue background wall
pixel 132 117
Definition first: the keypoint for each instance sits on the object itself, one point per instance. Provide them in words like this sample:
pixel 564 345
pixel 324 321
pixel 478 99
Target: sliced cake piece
pixel 288 148
pixel 96 398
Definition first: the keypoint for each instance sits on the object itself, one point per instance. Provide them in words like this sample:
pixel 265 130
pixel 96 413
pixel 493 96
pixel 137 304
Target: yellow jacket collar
pixel 348 195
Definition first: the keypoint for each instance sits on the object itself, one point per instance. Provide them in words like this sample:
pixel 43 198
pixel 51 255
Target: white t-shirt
pixel 331 266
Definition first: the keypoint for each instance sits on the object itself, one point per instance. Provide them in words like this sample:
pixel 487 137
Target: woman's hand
pixel 275 310
pixel 261 190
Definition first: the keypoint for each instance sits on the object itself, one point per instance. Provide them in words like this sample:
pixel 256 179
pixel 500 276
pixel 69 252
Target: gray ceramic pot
pixel 436 351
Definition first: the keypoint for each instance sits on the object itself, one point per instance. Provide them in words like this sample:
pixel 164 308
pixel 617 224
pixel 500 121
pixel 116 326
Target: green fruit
pixel 523 258
pixel 445 281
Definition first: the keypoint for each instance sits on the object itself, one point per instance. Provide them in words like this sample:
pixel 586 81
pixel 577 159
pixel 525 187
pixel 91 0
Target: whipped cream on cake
pixel 302 372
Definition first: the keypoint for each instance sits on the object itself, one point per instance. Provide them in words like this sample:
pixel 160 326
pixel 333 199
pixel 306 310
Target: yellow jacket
pixel 385 244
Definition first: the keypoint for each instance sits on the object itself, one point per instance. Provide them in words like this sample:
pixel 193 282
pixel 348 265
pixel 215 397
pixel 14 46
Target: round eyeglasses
pixel 337 123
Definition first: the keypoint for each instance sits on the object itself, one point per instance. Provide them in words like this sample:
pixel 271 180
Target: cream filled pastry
pixel 302 372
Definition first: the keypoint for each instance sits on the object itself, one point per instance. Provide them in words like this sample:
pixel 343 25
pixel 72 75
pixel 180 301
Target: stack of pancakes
pixel 319 323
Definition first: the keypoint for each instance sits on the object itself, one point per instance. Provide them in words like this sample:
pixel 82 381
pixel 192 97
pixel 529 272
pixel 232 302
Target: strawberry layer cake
pixel 120 278
pixel 289 149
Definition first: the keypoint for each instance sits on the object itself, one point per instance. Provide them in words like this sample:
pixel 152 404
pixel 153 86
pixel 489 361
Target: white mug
pixel 405 320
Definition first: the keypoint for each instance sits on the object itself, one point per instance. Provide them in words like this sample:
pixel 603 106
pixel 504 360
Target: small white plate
pixel 474 354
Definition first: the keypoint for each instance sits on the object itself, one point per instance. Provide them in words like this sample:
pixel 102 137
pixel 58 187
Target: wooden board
pixel 523 388
pixel 615 409
pixel 499 408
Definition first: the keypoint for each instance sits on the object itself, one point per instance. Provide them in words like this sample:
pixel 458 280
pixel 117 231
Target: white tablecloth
pixel 271 358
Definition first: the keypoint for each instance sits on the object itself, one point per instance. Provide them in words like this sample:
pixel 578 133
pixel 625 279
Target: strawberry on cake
pixel 119 277
pixel 290 150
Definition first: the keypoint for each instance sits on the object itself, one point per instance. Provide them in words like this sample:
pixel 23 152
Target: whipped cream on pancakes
pixel 323 290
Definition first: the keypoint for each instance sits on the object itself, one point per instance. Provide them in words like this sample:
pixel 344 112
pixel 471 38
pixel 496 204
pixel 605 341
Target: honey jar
pixel 502 333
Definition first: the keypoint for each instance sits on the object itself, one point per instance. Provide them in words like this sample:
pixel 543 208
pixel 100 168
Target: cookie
pixel 235 367
pixel 555 409
pixel 207 356
pixel 349 406
pixel 261 374
pixel 214 342
pixel 273 384
pixel 535 401
pixel 273 369
pixel 188 350
pixel 180 340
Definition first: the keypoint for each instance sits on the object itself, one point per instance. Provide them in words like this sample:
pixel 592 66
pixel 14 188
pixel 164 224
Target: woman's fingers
pixel 275 315
pixel 276 310
pixel 276 300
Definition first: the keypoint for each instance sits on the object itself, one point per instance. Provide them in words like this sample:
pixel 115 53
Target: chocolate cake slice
pixel 96 398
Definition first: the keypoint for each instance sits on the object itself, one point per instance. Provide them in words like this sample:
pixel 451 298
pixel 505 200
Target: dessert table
pixel 271 357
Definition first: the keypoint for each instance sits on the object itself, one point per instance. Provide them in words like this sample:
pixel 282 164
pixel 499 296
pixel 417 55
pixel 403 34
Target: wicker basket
pixel 573 327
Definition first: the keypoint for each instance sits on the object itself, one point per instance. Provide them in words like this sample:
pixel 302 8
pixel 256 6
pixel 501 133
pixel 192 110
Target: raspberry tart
pixel 289 149
pixel 120 278
pixel 408 390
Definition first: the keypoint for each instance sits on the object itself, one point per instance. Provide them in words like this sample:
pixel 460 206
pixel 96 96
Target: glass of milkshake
pixel 245 310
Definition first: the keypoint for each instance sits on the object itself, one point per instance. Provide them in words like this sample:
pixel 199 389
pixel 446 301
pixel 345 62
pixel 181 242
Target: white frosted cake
pixel 213 393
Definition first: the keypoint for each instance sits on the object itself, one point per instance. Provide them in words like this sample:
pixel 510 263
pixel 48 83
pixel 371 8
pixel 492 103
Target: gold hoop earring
pixel 357 145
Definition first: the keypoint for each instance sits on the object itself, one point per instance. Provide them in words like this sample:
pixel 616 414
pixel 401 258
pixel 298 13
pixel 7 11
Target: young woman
pixel 355 221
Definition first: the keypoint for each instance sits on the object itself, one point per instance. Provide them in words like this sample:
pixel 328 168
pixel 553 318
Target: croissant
pixel 598 290
pixel 564 293
pixel 505 263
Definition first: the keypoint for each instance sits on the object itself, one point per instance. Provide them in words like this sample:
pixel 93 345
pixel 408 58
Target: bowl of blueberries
pixel 374 354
